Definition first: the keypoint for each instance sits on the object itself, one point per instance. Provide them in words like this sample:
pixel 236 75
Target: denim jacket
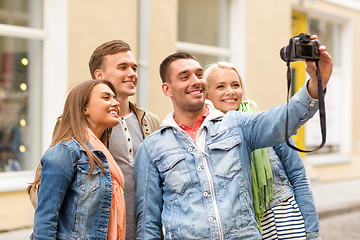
pixel 72 205
pixel 201 189
pixel 290 179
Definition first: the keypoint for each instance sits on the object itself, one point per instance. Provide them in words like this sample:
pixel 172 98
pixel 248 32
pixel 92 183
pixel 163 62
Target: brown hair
pixel 108 48
pixel 73 123
pixel 165 64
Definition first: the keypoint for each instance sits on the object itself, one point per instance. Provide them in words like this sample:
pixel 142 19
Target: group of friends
pixel 214 168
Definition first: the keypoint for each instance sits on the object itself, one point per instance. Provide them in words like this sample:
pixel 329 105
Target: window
pixel 332 33
pixel 20 83
pixel 203 29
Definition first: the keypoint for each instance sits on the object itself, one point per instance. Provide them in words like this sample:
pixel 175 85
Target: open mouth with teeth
pixel 195 92
pixel 229 100
pixel 113 112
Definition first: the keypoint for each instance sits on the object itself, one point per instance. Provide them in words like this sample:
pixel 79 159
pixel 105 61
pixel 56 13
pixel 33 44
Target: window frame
pixel 54 80
pixel 236 37
pixel 345 71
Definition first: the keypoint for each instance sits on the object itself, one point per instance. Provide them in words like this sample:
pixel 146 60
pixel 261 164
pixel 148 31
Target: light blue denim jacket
pixel 288 168
pixel 201 189
pixel 72 205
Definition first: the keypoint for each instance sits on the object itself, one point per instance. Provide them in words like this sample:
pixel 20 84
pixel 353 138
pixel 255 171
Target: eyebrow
pixel 126 64
pixel 107 93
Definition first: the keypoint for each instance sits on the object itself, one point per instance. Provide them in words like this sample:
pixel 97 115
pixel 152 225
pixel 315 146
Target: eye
pixel 134 69
pixel 200 75
pixel 220 86
pixel 236 85
pixel 184 77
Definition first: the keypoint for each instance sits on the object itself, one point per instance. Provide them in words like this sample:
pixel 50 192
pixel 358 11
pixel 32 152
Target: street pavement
pixel 343 226
pixel 338 205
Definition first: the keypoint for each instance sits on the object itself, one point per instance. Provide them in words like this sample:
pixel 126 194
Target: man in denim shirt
pixel 192 175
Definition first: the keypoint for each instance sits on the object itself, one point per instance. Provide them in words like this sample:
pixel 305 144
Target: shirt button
pixel 129 139
pixel 190 149
pixel 199 169
pixel 211 219
pixel 205 194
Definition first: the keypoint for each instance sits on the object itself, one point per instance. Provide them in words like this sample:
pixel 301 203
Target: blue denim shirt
pixel 201 189
pixel 290 179
pixel 72 205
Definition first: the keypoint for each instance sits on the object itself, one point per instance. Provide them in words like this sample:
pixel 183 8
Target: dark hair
pixel 164 66
pixel 108 48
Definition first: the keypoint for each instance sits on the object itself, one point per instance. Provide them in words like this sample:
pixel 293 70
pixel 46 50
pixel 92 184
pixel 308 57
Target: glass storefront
pixel 20 86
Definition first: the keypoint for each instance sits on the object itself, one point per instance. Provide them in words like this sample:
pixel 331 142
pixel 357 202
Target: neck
pixel 124 106
pixel 188 118
pixel 97 132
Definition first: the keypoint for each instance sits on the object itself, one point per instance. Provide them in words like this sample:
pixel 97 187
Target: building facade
pixel 45 46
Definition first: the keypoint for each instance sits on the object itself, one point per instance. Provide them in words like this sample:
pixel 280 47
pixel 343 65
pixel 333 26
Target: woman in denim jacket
pixel 79 177
pixel 282 197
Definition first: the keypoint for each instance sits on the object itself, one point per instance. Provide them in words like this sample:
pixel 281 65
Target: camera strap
pixel 321 110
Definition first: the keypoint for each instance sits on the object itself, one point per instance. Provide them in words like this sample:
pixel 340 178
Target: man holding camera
pixel 193 175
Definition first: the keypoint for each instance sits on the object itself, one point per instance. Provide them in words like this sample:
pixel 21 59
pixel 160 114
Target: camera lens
pixel 283 53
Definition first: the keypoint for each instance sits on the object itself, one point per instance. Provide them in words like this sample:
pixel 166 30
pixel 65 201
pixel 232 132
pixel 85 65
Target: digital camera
pixel 301 48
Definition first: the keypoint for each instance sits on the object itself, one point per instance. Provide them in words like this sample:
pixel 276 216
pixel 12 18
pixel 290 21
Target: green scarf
pixel 261 174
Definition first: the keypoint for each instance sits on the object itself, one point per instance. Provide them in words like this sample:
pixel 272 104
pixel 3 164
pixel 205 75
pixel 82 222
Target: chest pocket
pixel 85 182
pixel 225 156
pixel 174 172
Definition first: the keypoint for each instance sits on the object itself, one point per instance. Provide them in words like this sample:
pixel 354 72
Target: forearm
pixel 268 128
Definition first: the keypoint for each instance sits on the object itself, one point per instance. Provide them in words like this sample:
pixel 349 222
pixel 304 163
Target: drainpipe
pixel 143 53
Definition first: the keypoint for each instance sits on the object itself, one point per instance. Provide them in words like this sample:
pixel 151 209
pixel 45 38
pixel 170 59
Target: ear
pixel 166 89
pixel 98 74
pixel 86 112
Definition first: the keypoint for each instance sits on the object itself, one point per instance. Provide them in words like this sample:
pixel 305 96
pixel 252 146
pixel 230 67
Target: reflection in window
pixel 20 85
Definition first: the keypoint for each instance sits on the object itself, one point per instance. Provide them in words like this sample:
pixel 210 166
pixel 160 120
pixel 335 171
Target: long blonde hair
pixel 73 124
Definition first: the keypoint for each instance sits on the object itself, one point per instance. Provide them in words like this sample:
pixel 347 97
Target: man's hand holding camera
pixel 325 65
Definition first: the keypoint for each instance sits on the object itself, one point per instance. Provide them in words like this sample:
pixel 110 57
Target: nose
pixel 195 80
pixel 131 71
pixel 229 90
pixel 115 103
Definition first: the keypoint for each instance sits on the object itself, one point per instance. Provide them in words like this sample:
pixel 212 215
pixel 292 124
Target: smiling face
pixel 186 86
pixel 121 70
pixel 102 109
pixel 224 89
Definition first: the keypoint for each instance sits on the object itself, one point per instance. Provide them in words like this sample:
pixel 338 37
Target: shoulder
pixel 70 146
pixel 140 112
